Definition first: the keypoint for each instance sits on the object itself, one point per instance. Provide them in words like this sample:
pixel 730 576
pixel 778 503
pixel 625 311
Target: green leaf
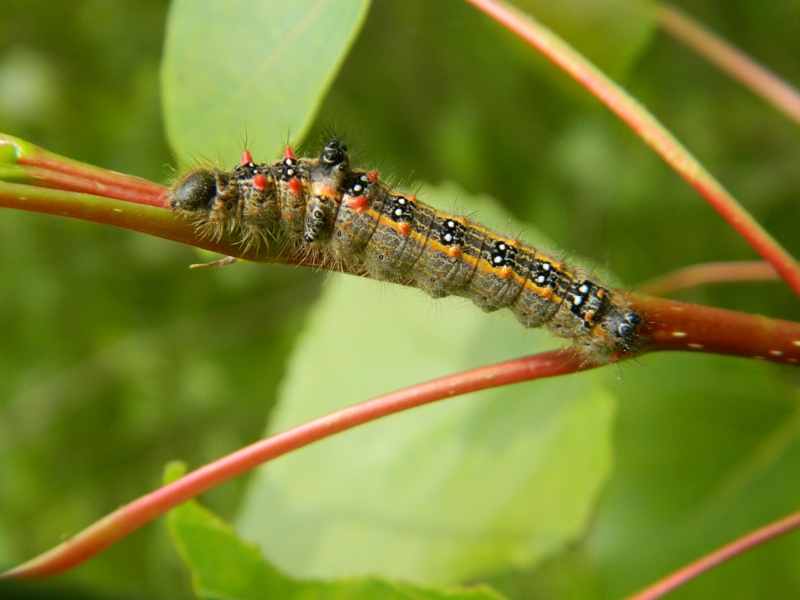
pixel 708 449
pixel 443 493
pixel 709 457
pixel 238 67
pixel 224 566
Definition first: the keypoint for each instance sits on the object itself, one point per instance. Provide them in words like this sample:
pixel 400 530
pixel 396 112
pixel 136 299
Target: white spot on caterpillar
pixel 694 346
pixel 776 353
pixel 679 334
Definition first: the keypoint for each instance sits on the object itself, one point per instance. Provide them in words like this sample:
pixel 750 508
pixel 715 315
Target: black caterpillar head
pixel 195 192
pixel 626 330
pixel 334 155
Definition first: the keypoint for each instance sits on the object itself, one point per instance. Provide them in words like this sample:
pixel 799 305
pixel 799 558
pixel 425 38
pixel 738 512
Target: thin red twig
pixel 30 164
pixel 77 182
pixel 708 562
pixel 734 62
pixel 127 519
pixel 647 127
pixel 704 274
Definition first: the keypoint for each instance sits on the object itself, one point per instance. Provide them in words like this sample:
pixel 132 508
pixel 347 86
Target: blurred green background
pixel 115 358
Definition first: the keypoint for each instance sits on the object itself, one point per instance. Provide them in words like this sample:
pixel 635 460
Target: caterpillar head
pixel 620 325
pixel 626 330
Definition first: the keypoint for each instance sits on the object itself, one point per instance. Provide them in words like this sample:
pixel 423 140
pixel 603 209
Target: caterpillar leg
pixel 222 262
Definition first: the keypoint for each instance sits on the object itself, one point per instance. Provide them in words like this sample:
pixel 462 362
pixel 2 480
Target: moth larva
pixel 354 218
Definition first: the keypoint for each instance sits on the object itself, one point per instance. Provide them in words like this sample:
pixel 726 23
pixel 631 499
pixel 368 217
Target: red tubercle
pixel 373 176
pixel 295 187
pixel 288 153
pixel 247 158
pixel 358 204
pixel 260 181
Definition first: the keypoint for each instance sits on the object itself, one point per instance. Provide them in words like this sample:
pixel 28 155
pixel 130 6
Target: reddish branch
pixel 27 163
pixel 127 519
pixel 647 127
pixel 733 61
pixel 732 550
pixel 704 274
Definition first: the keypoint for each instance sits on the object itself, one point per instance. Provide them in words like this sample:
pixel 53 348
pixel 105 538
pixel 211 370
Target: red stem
pixel 673 325
pixel 125 520
pixel 718 272
pixel 730 59
pixel 708 562
pixel 80 177
pixel 649 129
pixel 670 325
pixel 77 182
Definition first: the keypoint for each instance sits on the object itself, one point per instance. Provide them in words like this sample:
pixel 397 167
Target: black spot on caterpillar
pixel 355 219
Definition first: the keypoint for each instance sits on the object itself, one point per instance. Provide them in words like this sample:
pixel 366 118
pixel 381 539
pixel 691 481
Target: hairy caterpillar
pixel 355 219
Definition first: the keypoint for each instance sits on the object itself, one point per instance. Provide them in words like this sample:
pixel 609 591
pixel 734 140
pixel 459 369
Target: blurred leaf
pixel 703 457
pixel 238 68
pixel 439 494
pixel 700 465
pixel 223 566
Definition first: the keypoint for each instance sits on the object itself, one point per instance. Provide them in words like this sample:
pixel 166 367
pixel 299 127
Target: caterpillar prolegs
pixel 355 219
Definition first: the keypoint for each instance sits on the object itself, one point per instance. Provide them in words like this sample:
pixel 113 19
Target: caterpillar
pixel 355 219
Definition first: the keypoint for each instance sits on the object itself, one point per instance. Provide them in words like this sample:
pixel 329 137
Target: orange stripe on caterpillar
pixel 354 218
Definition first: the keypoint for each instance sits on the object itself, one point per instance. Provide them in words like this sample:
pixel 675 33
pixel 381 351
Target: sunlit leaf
pixel 234 69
